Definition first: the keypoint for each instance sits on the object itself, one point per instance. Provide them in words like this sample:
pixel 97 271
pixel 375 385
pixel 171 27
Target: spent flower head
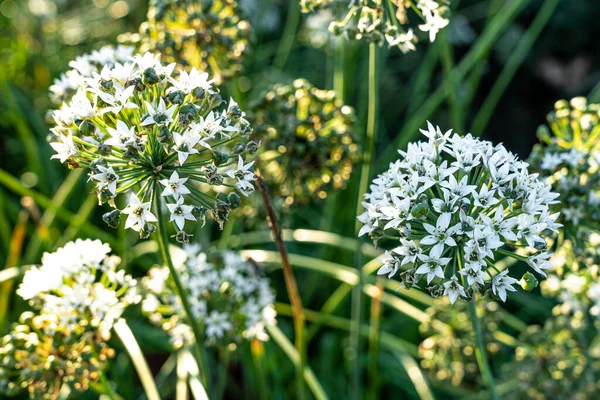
pixel 309 141
pixel 147 134
pixel 374 22
pixel 79 288
pixel 39 360
pixel 568 158
pixel 452 207
pixel 211 35
pixel 228 295
pixel 448 351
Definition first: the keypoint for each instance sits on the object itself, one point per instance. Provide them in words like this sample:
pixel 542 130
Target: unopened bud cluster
pixel 308 141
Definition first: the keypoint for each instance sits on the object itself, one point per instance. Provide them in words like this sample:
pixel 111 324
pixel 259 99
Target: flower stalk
pixel 290 280
pixel 480 353
pixel 163 244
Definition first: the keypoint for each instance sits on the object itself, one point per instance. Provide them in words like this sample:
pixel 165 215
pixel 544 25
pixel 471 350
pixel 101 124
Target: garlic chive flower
pixel 309 146
pixel 146 130
pixel 453 206
pixel 211 35
pixel 568 158
pixel 390 23
pixel 555 361
pixel 79 288
pixel 448 351
pixel 228 295
pixel 578 293
pixel 39 359
pixel 88 67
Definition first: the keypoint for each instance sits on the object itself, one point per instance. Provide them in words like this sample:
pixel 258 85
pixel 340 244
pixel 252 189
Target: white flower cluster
pixel 372 21
pixel 453 206
pixel 141 131
pixel 227 294
pixel 79 287
pixel 569 159
pixel 84 67
pixel 577 292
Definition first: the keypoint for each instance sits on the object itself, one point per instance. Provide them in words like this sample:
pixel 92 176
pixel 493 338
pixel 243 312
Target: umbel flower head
pixel 85 67
pixel 448 352
pixel 40 360
pixel 453 206
pixel 374 22
pixel 208 35
pixel 228 295
pixel 568 158
pixel 79 289
pixel 143 133
pixel 309 141
pixel 554 362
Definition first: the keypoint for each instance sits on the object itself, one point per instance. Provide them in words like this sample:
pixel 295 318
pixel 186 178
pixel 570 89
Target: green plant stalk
pixel 137 357
pixel 480 353
pixel 477 52
pixel 373 357
pixel 163 244
pixel 289 35
pixel 83 214
pixel 339 69
pixel 447 56
pixel 517 58
pixel 223 370
pixel 290 284
pixel 308 375
pixel 365 176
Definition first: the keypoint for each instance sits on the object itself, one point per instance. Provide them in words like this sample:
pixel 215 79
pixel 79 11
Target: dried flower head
pixel 79 288
pixel 309 142
pixel 85 67
pixel 448 352
pixel 453 206
pixel 38 361
pixel 554 362
pixel 144 133
pixel 228 295
pixel 373 21
pixel 209 35
pixel 569 159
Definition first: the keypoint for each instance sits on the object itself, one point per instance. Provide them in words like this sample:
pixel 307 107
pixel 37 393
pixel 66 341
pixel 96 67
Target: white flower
pixel 435 135
pixel 185 145
pixel 244 175
pixel 81 105
pixel 174 186
pixel 188 82
pixel 159 116
pixel 138 214
pixel 65 149
pixel 453 289
pixel 118 101
pixel 389 266
pixel 106 178
pixel 123 136
pixel 539 262
pixel 440 234
pixel 434 22
pixel 503 283
pixel 180 213
pixel 433 263
pixel 474 274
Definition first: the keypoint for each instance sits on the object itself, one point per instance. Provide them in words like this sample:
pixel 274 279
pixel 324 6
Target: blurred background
pixel 496 71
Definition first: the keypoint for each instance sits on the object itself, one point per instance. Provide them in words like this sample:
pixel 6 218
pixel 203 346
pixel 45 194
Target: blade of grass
pixel 515 60
pixel 373 356
pixel 13 184
pixel 181 390
pixel 196 386
pixel 288 348
pixel 86 209
pixel 137 357
pixel 454 103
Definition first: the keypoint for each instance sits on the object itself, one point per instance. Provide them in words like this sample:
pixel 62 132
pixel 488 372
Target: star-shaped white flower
pixel 138 214
pixel 174 186
pixel 107 178
pixel 180 213
pixel 432 264
pixel 118 101
pixel 453 289
pixel 185 145
pixel 65 148
pixel 159 116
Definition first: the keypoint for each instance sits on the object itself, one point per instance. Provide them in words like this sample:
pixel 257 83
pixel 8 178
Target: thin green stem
pixel 480 353
pixel 370 137
pixel 289 35
pixel 163 244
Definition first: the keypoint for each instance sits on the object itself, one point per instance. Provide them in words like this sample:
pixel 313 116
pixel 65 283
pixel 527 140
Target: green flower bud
pixel 528 282
pixel 112 218
pixel 234 200
pixel 219 158
pixel 150 77
pixel 420 210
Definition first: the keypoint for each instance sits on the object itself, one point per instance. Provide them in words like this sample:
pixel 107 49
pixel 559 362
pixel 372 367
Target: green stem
pixel 103 381
pixel 370 137
pixel 339 69
pixel 163 244
pixel 289 34
pixel 480 353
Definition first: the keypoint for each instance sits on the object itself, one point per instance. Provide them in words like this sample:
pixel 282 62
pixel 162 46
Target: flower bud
pixel 150 77
pixel 112 218
pixel 528 282
pixel 234 200
pixel 219 158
